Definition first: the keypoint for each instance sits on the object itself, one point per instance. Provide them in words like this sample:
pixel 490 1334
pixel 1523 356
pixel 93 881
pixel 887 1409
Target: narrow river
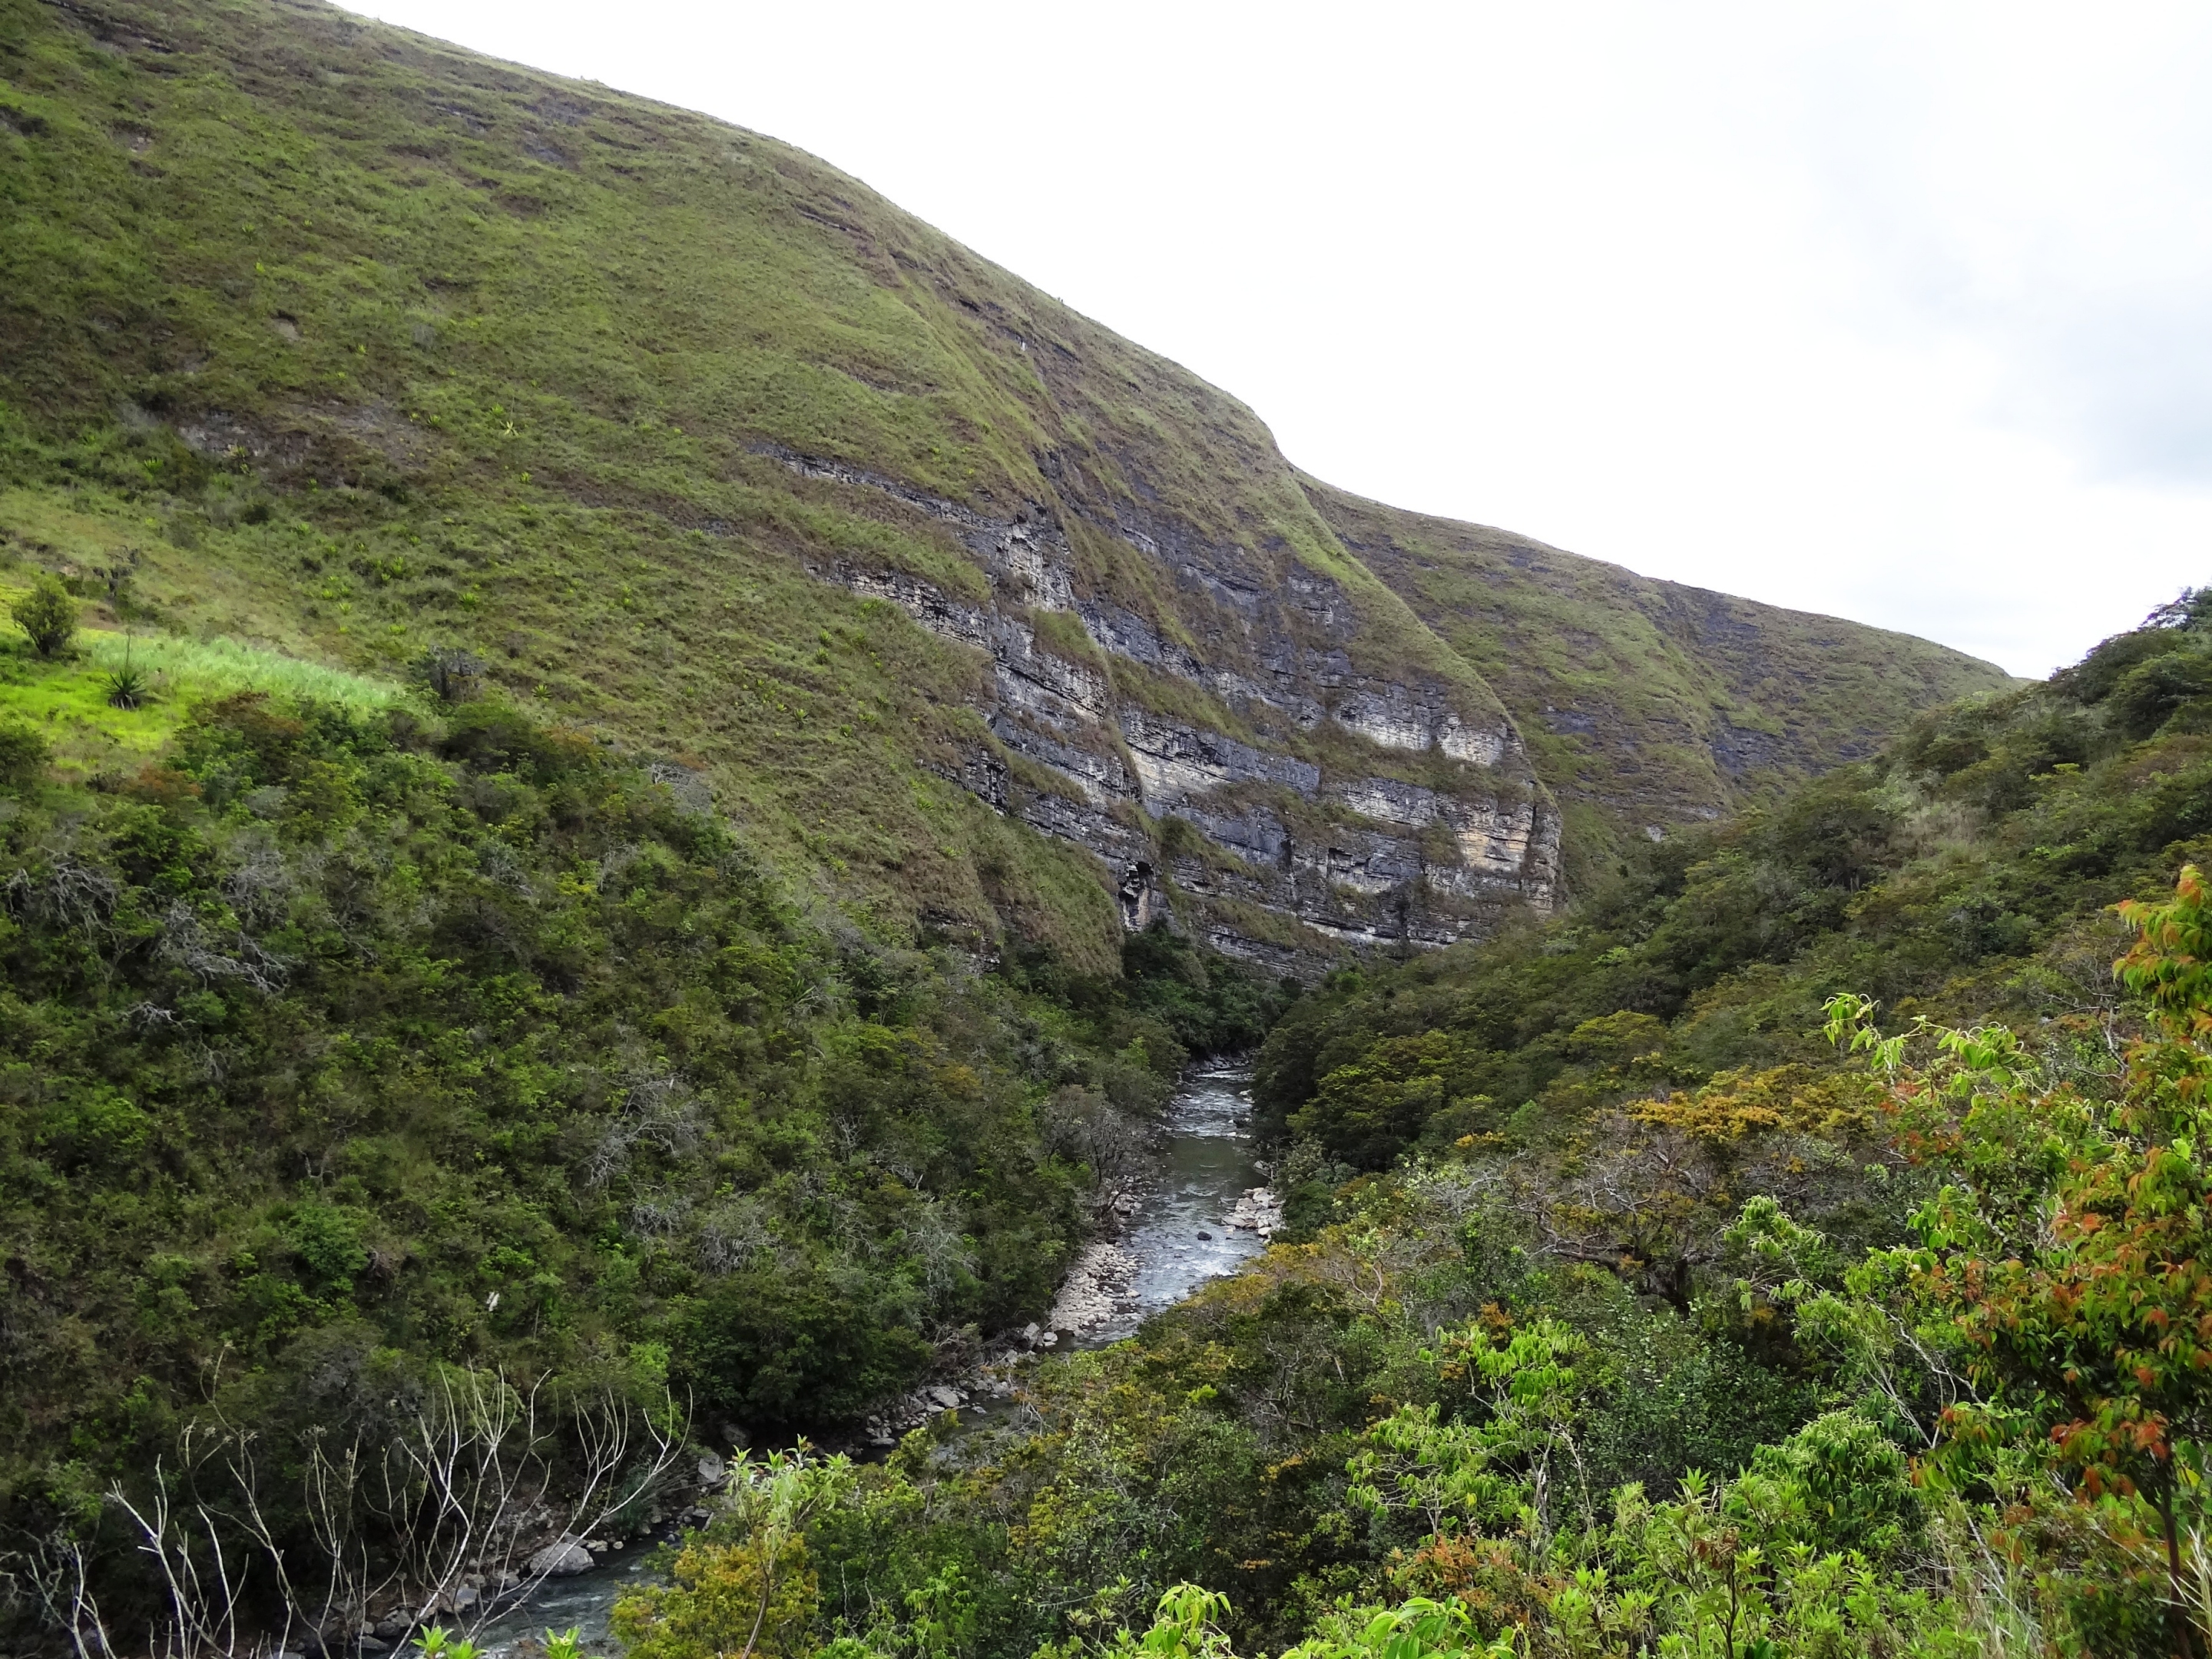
pixel 1179 1235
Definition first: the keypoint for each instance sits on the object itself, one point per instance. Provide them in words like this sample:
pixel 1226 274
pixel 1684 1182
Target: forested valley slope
pixel 1801 1249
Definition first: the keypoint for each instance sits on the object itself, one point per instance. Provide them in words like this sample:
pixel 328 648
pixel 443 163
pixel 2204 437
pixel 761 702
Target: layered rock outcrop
pixel 1352 807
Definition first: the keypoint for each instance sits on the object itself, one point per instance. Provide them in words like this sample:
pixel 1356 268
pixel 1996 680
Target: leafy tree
pixel 1189 1619
pixel 47 616
pixel 2071 1315
pixel 2149 694
pixel 1368 1111
pixel 23 754
pixel 744 1584
pixel 1503 1459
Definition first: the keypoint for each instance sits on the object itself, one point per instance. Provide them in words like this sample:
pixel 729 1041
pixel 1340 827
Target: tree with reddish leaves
pixel 2080 1323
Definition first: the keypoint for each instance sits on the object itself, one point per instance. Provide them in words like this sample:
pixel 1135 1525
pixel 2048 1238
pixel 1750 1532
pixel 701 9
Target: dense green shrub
pixel 330 1036
pixel 23 754
pixel 47 616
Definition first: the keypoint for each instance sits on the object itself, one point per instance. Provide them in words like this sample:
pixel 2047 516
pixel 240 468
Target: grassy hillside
pixel 1648 704
pixel 320 334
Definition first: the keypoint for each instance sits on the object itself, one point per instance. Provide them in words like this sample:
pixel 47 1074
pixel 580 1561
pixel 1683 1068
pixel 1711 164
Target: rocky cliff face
pixel 1304 814
pixel 1648 703
pixel 985 619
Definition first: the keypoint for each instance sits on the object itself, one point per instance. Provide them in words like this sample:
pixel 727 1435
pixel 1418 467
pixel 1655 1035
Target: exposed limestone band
pixel 1366 859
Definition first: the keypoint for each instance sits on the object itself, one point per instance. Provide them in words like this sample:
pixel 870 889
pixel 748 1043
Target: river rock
pixel 712 1470
pixel 1096 1291
pixel 563 1560
pixel 1258 1210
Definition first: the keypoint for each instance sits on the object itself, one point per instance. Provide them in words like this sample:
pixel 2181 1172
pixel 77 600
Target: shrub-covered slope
pixel 1649 1290
pixel 324 333
pixel 345 1042
pixel 1963 873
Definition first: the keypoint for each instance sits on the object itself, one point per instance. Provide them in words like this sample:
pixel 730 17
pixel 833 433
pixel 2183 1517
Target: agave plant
pixel 129 686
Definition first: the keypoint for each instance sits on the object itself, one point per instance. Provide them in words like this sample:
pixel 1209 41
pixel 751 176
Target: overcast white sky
pixel 1898 311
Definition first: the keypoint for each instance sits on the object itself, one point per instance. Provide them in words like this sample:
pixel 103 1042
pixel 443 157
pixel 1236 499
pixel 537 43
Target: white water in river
pixel 1207 1165
pixel 584 1603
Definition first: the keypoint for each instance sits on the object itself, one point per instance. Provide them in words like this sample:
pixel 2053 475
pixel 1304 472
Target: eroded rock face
pixel 1394 717
pixel 1177 763
pixel 1495 839
pixel 1359 856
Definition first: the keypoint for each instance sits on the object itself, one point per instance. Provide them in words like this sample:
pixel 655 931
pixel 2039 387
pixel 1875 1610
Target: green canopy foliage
pixel 1648 1297
pixel 340 1044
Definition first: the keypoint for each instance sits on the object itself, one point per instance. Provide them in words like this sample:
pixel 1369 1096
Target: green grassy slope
pixel 1648 703
pixel 327 336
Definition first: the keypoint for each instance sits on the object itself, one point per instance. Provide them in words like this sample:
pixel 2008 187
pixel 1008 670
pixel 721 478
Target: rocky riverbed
pixel 1202 1217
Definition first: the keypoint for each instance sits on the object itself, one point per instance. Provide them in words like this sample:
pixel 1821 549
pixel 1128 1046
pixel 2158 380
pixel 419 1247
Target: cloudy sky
pixel 1900 312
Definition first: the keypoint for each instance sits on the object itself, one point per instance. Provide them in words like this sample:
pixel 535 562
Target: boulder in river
pixel 562 1559
pixel 1258 1210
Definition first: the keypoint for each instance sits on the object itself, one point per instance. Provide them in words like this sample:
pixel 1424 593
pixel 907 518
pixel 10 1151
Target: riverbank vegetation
pixel 1792 1250
pixel 373 1064
pixel 1796 1251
